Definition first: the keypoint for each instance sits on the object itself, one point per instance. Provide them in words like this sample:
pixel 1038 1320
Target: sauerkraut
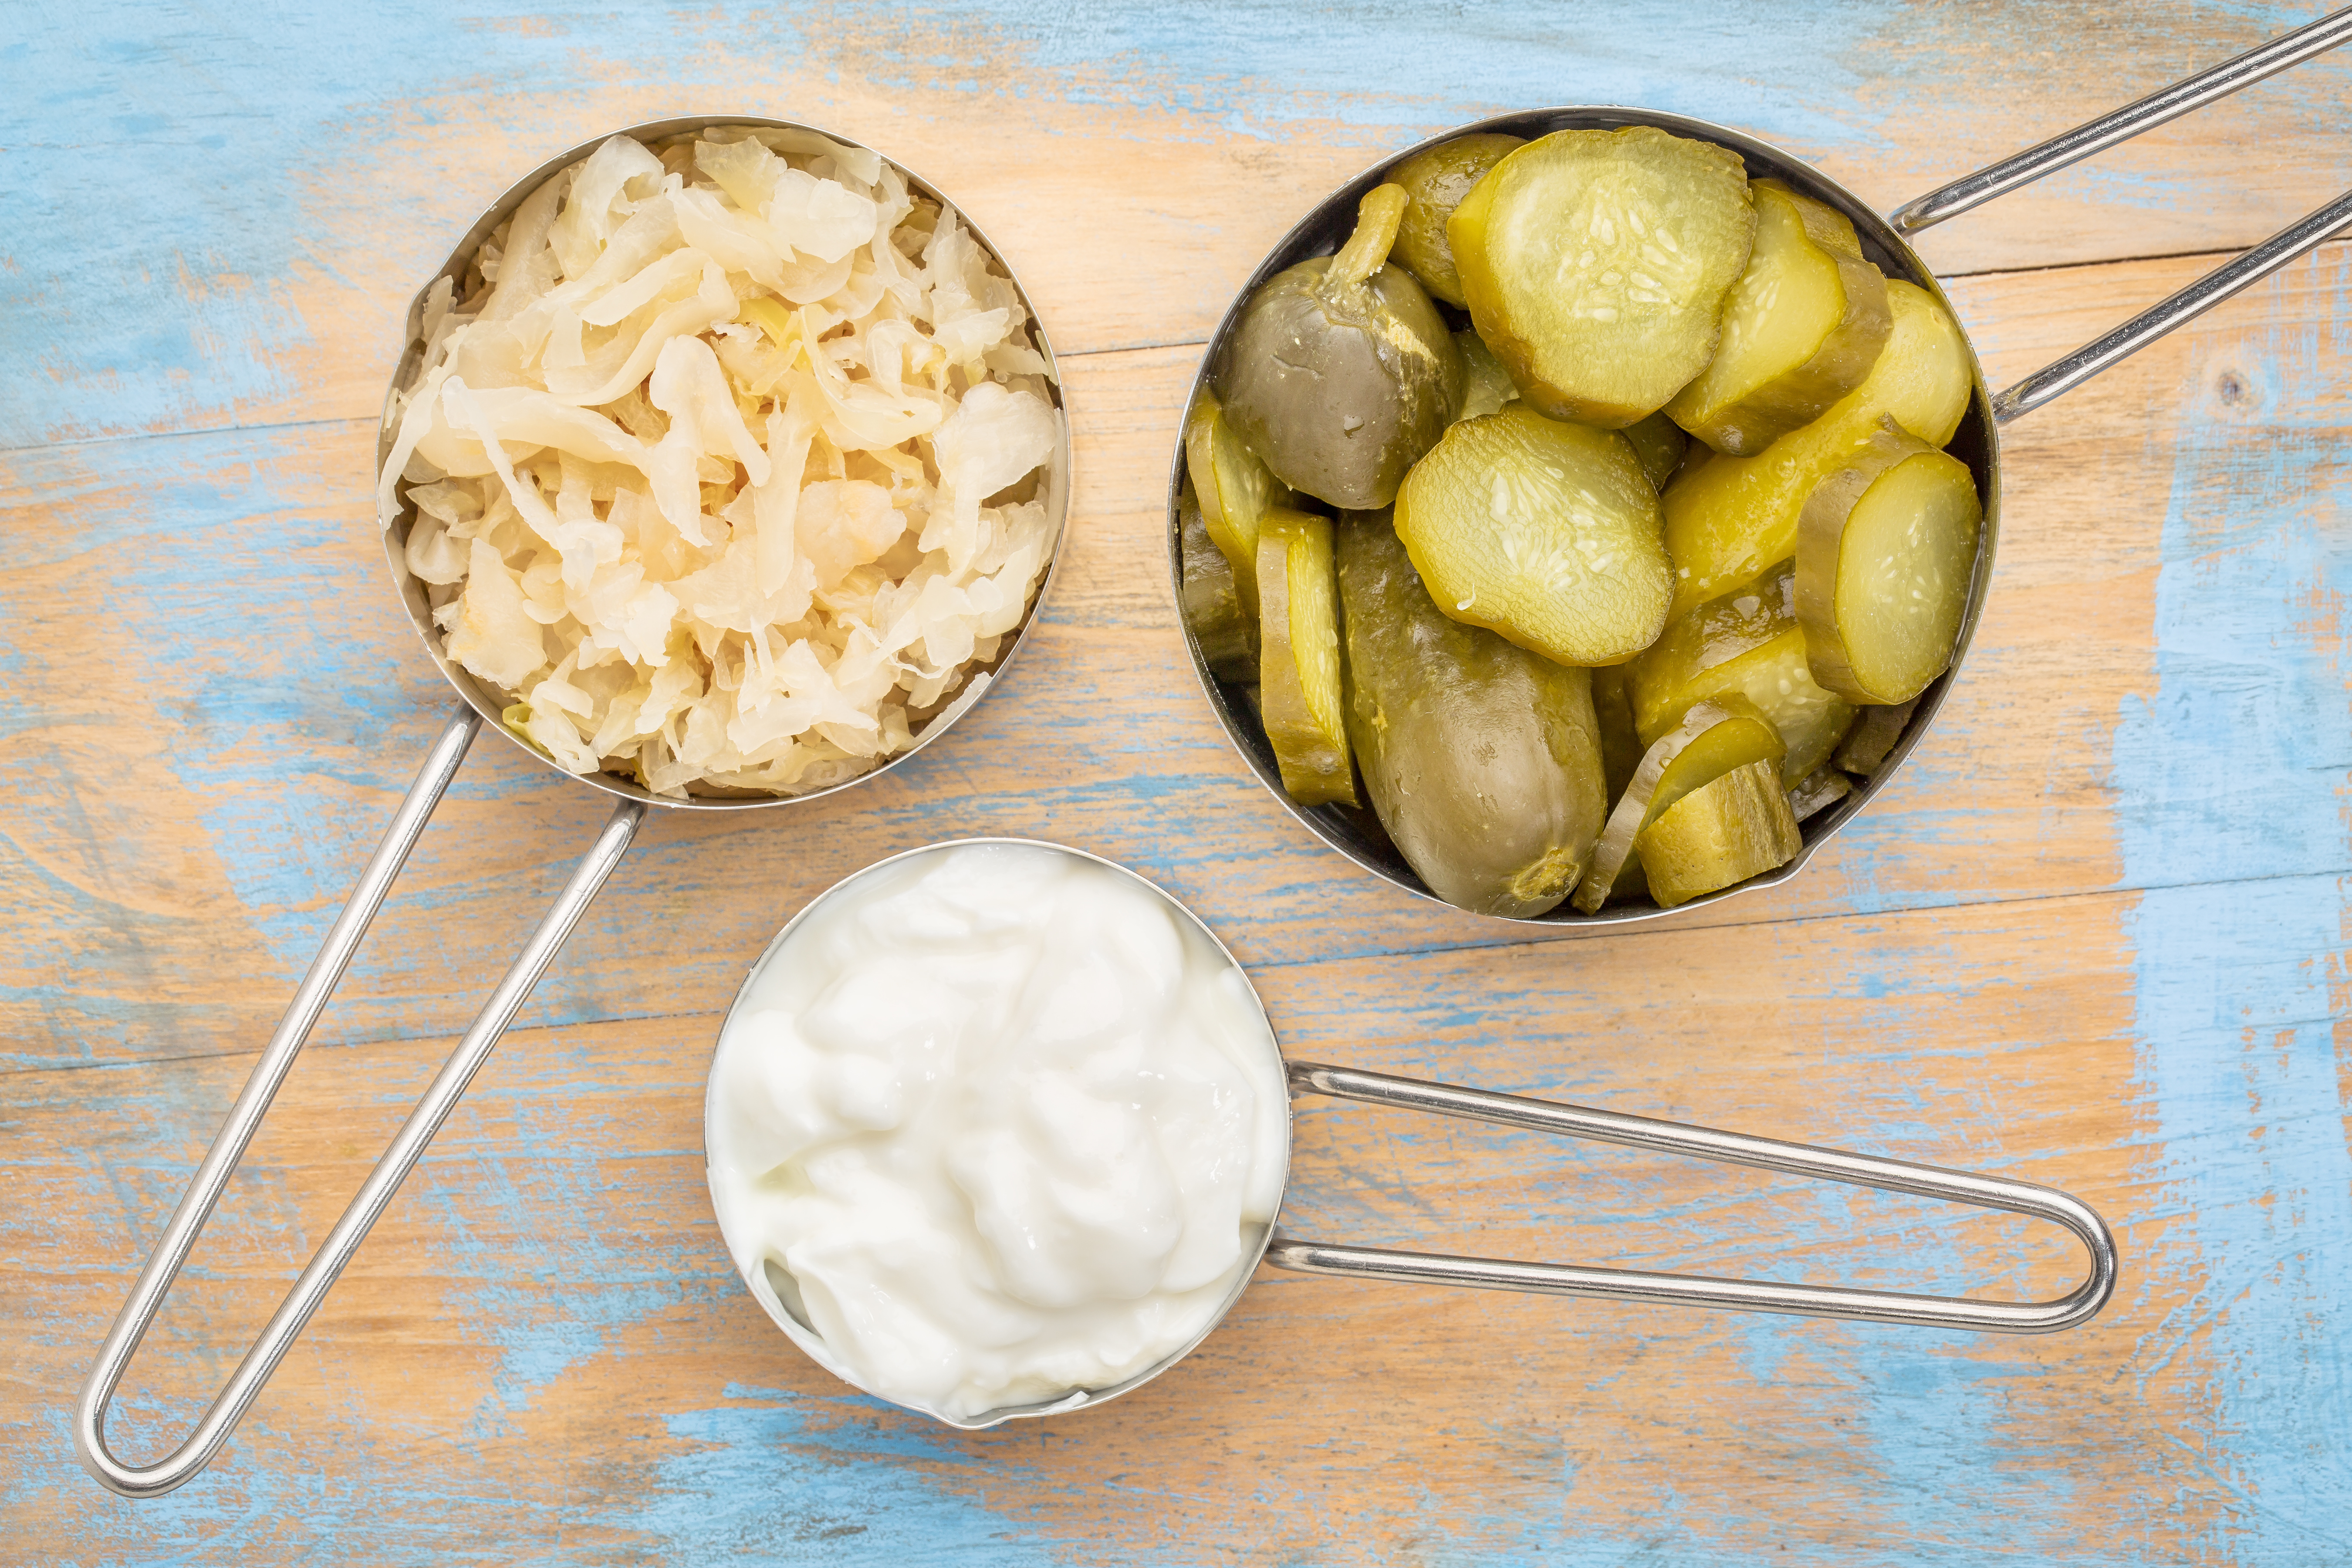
pixel 731 462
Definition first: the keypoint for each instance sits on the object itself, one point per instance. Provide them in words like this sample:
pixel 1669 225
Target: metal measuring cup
pixel 2075 1306
pixel 1356 833
pixel 479 704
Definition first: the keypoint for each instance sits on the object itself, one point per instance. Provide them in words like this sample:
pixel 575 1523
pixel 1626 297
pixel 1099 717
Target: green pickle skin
pixel 1482 759
pixel 1436 181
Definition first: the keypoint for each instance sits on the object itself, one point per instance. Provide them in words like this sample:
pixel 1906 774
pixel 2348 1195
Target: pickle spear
pixel 1885 551
pixel 1725 831
pixel 1711 740
pixel 1233 488
pixel 1866 745
pixel 1800 331
pixel 1486 384
pixel 1595 265
pixel 1543 531
pixel 1482 759
pixel 1729 518
pixel 1748 642
pixel 1340 372
pixel 1435 184
pixel 1212 601
pixel 1660 443
pixel 1298 636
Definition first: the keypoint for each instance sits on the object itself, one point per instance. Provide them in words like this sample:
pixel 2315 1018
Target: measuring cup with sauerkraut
pixel 734 458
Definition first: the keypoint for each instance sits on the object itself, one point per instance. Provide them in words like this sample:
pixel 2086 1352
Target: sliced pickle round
pixel 1712 739
pixel 1233 488
pixel 1541 530
pixel 1747 642
pixel 1299 700
pixel 1660 443
pixel 1731 828
pixel 1481 759
pixel 1729 518
pixel 1884 557
pixel 1210 599
pixel 1595 264
pixel 1800 329
pixel 1486 384
pixel 1435 184
pixel 1339 372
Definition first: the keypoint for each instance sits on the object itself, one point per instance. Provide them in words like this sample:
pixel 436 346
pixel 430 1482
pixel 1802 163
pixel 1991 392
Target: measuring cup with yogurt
pixel 997 1128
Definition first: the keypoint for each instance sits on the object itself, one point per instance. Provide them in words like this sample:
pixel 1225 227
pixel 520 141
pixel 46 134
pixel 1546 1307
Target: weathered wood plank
pixel 544 1345
pixel 294 178
pixel 215 704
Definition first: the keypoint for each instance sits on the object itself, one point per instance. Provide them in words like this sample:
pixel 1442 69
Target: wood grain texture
pixel 2098 936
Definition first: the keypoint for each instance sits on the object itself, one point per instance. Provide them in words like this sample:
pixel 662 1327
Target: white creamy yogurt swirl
pixel 995 1124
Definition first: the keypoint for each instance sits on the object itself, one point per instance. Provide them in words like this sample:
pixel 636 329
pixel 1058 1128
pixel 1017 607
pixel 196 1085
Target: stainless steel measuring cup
pixel 2075 1306
pixel 449 750
pixel 1355 833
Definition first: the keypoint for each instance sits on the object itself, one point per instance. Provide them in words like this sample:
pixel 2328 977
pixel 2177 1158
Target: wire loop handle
pixel 245 1118
pixel 2191 92
pixel 2077 1306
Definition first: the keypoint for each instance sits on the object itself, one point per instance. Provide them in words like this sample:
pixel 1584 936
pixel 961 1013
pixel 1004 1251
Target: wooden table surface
pixel 2097 936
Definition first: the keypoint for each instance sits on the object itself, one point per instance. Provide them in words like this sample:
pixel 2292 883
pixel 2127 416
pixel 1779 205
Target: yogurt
pixel 994 1126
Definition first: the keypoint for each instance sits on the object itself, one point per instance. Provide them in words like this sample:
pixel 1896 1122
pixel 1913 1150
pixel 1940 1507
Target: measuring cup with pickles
pixel 1580 514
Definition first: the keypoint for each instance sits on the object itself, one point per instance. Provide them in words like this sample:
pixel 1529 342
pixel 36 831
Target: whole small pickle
pixel 1341 374
pixel 1482 759
pixel 1435 184
pixel 1212 601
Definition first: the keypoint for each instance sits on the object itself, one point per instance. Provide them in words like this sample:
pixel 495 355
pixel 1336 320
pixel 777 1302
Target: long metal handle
pixel 244 1118
pixel 2077 1306
pixel 2094 136
pixel 2192 92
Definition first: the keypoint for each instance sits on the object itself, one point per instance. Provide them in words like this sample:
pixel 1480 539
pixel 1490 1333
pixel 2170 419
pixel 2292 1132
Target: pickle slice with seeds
pixel 1800 331
pixel 1746 642
pixel 1212 600
pixel 1298 634
pixel 1712 739
pixel 1885 552
pixel 1727 519
pixel 1542 531
pixel 1731 828
pixel 1595 264
pixel 1621 743
pixel 1480 758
